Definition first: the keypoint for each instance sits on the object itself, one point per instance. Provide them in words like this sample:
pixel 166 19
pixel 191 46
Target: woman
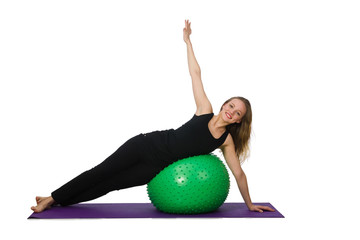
pixel 139 159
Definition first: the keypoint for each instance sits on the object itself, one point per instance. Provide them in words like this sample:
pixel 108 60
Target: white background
pixel 79 78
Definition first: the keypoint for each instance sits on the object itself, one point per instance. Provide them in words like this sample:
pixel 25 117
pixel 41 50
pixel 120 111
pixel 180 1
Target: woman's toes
pixel 43 203
pixel 34 209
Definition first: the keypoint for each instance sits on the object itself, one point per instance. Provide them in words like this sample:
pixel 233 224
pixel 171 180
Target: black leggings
pixel 130 165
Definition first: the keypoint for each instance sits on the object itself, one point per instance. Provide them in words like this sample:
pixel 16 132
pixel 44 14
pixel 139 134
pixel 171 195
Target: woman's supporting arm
pixel 243 187
pixel 244 190
pixel 233 162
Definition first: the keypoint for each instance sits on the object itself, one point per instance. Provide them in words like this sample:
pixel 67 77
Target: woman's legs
pixel 128 155
pixel 126 167
pixel 137 175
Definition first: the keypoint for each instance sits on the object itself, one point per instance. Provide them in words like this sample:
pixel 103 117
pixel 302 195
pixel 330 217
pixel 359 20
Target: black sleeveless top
pixel 191 139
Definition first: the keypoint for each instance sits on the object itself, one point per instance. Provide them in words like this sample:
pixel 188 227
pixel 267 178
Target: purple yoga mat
pixel 146 210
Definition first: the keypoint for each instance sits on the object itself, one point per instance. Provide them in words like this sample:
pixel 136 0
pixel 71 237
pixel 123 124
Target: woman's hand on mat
pixel 187 31
pixel 259 208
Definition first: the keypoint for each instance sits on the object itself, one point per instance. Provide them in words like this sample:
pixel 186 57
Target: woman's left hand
pixel 259 208
pixel 187 31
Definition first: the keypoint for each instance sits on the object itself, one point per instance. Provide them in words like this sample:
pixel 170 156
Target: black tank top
pixel 191 139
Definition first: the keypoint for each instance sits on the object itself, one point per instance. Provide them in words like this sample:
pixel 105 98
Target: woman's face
pixel 233 111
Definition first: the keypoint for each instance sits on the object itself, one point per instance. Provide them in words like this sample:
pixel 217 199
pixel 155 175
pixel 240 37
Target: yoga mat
pixel 146 210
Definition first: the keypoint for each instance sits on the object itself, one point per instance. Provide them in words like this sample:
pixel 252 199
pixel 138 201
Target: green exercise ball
pixel 193 185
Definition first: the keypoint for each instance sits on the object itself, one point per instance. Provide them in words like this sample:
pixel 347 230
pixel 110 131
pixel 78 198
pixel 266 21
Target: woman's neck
pixel 218 123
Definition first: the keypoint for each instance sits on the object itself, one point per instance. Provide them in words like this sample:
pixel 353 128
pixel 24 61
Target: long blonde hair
pixel 240 132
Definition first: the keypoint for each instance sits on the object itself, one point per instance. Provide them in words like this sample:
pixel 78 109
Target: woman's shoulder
pixel 229 142
pixel 203 114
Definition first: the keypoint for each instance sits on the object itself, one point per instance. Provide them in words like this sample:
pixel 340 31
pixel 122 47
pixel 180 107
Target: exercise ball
pixel 193 185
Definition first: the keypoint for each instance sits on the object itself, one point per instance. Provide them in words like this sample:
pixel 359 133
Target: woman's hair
pixel 240 132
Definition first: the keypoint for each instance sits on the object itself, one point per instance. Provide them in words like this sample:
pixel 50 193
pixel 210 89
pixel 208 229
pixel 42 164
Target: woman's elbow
pixel 239 174
pixel 195 72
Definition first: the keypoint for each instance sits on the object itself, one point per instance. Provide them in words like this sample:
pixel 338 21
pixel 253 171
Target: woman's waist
pixel 158 144
pixel 168 147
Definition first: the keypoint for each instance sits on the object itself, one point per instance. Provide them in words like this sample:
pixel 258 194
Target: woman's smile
pixel 228 115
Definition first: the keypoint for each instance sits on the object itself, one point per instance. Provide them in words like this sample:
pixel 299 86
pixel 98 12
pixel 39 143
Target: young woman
pixel 139 159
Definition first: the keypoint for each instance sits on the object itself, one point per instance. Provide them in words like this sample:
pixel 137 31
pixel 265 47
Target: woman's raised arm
pixel 203 104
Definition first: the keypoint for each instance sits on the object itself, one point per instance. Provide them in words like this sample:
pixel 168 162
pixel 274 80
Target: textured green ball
pixel 193 185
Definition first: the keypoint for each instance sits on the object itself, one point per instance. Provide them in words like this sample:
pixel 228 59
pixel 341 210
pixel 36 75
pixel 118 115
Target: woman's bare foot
pixel 43 203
